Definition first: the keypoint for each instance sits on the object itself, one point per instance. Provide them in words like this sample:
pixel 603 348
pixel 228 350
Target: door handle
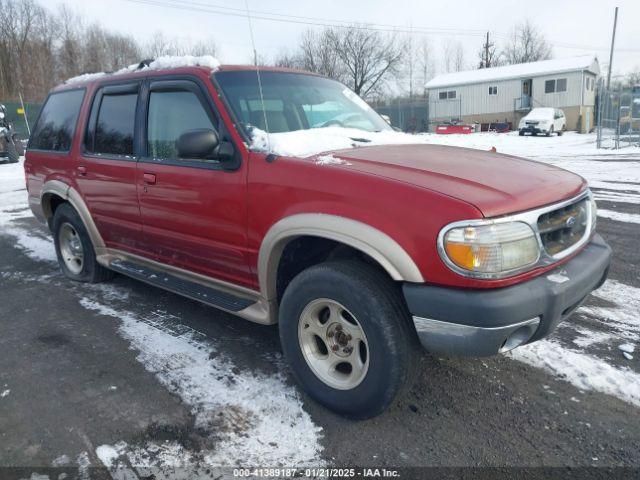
pixel 82 170
pixel 149 178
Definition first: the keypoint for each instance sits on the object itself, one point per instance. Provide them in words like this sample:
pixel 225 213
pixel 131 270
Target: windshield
pixel 294 101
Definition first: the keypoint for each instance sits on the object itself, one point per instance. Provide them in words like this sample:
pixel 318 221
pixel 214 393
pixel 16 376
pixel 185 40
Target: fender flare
pixel 71 195
pixel 369 240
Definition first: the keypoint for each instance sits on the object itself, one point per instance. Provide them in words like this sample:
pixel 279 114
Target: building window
pixel 493 90
pixel 549 86
pixel 447 95
pixel 561 85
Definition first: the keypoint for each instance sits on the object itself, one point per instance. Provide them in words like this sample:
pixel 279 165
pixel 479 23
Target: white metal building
pixel 506 94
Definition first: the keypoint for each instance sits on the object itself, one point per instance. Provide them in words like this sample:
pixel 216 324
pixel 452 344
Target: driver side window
pixel 172 113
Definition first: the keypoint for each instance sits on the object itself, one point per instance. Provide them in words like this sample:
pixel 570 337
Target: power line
pixel 218 9
pixel 197 7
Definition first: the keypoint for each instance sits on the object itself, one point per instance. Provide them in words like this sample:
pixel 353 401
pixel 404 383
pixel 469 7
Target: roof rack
pixel 145 63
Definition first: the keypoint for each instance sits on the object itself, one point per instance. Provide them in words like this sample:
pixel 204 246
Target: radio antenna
pixel 255 61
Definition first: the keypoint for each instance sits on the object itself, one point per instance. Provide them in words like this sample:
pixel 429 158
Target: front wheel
pixel 348 338
pixel 550 131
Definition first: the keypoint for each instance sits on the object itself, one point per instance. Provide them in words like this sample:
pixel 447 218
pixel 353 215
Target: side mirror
pixel 200 143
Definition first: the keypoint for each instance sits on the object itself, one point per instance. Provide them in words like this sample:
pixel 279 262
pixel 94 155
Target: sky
pixel 573 27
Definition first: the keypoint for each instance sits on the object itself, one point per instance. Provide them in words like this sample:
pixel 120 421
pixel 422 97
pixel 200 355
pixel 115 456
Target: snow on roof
pixel 532 69
pixel 160 63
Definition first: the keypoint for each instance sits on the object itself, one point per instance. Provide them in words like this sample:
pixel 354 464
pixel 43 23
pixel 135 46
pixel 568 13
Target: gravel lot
pixel 127 376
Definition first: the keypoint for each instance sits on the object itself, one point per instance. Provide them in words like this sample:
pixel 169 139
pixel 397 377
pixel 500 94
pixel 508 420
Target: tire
pixel 12 153
pixel 550 131
pixel 18 145
pixel 371 300
pixel 74 249
pixel 561 131
pixel 521 133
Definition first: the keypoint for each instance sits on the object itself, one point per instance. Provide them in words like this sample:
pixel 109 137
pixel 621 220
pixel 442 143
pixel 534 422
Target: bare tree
pixel 425 62
pixel 633 77
pixel 453 56
pixel 71 47
pixel 202 47
pixel 317 54
pixel 40 48
pixel 368 57
pixel 526 44
pixel 286 59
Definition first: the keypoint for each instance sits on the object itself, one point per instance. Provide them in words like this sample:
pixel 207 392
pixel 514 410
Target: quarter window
pixel 451 94
pixel 442 95
pixel 170 115
pixel 57 123
pixel 493 90
pixel 549 86
pixel 115 124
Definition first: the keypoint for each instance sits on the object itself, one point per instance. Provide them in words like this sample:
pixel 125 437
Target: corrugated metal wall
pixel 475 99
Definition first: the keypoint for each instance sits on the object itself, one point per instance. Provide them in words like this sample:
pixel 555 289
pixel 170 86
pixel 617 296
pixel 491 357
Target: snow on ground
pixel 13 207
pixel 257 419
pixel 269 423
pixel 587 371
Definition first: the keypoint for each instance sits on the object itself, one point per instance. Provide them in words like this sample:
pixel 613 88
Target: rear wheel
pixel 347 336
pixel 74 249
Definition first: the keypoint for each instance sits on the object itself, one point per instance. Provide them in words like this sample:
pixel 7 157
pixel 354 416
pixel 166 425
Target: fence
pixel 408 116
pixel 16 117
pixel 618 116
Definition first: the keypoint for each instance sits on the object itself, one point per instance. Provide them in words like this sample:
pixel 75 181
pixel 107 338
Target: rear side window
pixel 115 124
pixel 57 122
pixel 170 115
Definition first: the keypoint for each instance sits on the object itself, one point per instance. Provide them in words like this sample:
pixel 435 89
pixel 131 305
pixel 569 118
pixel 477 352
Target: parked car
pixel 543 120
pixel 153 174
pixel 10 146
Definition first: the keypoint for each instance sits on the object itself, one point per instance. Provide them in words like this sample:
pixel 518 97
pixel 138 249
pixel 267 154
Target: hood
pixel 496 184
pixel 540 114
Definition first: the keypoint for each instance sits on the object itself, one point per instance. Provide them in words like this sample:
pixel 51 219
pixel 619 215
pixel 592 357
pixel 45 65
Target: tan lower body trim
pixel 262 311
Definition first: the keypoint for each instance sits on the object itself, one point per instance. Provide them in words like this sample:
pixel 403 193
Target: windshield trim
pixel 232 114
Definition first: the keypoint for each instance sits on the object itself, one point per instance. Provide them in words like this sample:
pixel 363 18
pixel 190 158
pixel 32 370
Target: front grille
pixel 562 228
pixel 533 123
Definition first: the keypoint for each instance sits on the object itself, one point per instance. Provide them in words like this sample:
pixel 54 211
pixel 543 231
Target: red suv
pixel 156 174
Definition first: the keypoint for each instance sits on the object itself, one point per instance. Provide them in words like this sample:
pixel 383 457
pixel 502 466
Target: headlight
pixel 489 250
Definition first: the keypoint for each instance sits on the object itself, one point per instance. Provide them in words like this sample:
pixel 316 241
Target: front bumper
pixel 533 130
pixel 461 322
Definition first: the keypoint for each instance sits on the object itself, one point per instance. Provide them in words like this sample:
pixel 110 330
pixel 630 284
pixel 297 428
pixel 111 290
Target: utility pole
pixel 486 60
pixel 613 41
pixel 486 52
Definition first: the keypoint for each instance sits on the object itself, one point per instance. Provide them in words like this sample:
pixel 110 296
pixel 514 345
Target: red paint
pixel 451 129
pixel 213 222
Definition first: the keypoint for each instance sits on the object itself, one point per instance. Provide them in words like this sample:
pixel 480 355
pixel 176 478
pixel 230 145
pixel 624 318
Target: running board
pixel 167 281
